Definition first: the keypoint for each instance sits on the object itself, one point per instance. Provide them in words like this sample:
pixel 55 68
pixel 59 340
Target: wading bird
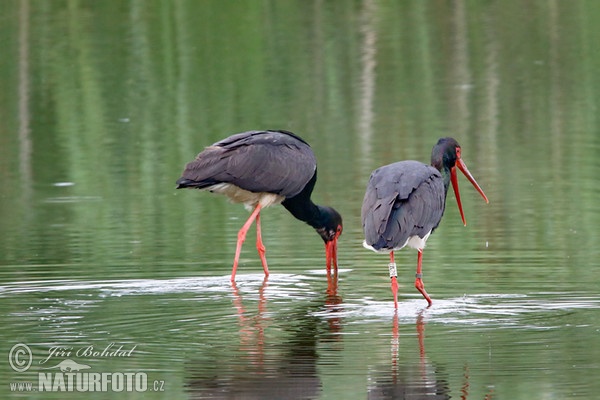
pixel 259 169
pixel 405 201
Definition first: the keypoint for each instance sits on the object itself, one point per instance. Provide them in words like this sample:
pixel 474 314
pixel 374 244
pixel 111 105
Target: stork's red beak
pixel 331 253
pixel 463 168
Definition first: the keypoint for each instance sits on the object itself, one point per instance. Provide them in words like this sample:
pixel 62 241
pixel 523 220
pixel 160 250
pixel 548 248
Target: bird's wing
pixel 402 199
pixel 257 161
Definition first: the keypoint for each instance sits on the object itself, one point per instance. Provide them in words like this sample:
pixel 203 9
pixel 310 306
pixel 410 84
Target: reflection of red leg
pixel 465 387
pixel 260 246
pixel 252 333
pixel 260 317
pixel 245 332
pixel 395 346
pixel 418 281
pixel 262 300
pixel 421 338
pixel 241 238
pixel 237 300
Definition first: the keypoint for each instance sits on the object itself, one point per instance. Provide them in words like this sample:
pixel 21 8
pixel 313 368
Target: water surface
pixel 104 102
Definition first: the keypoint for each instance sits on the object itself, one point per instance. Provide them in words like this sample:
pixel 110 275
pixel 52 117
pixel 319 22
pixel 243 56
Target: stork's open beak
pixel 463 168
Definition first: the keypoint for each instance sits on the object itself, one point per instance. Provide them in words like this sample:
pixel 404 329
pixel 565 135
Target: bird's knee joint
pixel 419 284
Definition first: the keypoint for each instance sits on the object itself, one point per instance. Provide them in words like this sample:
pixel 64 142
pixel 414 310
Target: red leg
pixel 393 276
pixel 241 237
pixel 261 247
pixel 418 281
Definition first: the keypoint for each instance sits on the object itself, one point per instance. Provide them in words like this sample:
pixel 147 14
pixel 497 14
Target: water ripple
pixel 535 310
pixel 532 310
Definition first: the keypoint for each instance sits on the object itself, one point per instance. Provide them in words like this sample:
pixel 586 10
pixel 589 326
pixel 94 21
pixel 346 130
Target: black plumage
pixel 277 162
pixel 405 201
pixel 261 168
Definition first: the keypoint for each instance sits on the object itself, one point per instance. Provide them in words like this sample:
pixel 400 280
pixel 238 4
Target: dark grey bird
pixel 259 169
pixel 405 201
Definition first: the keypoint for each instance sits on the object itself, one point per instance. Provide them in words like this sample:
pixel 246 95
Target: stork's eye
pixel 458 152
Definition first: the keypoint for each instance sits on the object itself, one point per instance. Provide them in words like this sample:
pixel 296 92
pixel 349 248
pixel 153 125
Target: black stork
pixel 405 201
pixel 259 169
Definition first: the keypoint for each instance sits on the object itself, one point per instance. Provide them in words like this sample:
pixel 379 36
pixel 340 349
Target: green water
pixel 103 102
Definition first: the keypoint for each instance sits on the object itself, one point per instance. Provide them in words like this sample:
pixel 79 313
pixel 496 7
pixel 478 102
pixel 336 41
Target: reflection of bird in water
pixel 414 381
pixel 259 169
pixel 285 369
pixel 252 330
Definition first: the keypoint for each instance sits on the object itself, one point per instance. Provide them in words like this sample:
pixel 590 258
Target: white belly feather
pixel 249 199
pixel 413 241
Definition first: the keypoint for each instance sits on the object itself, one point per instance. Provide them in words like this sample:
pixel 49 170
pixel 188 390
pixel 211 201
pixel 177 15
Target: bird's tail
pixel 183 183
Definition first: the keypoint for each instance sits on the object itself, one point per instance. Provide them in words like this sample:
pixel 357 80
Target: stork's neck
pixel 305 210
pixel 302 207
pixel 446 176
pixel 437 162
pixel 326 221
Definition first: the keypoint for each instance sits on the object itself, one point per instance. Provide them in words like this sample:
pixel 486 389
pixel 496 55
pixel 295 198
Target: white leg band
pixel 393 271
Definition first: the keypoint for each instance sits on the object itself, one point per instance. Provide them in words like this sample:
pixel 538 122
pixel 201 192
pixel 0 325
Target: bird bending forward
pixel 259 169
